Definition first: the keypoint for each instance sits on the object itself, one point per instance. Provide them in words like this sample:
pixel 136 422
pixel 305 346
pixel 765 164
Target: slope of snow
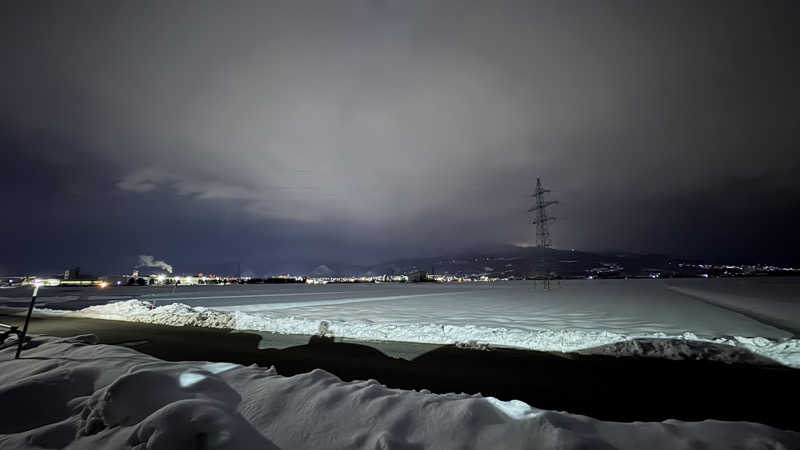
pixel 785 351
pixel 772 299
pixel 74 394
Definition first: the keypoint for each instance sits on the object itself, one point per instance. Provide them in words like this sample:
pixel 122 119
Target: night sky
pixel 279 133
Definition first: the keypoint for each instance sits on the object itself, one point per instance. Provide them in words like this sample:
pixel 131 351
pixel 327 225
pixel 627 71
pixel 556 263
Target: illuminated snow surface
pixel 74 394
pixel 589 316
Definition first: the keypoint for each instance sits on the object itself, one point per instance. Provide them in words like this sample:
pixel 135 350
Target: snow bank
pixel 684 346
pixel 175 314
pixel 727 349
pixel 72 393
pixel 680 349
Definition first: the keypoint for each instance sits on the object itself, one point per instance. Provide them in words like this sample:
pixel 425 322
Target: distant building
pixel 74 277
pixel 416 276
pixel 72 274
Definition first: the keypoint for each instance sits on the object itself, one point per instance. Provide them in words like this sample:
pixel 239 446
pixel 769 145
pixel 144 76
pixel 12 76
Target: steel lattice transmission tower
pixel 541 221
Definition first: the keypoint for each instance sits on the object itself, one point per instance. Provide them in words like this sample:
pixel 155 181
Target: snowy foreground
pixel 72 393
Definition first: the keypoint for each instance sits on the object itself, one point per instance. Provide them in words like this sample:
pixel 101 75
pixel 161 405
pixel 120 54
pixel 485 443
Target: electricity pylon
pixel 541 221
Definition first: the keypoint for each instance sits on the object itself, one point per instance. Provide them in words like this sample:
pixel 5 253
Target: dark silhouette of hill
pixel 520 262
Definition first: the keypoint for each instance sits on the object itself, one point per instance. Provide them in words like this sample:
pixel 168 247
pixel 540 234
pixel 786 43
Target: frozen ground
pixel 574 315
pixel 74 394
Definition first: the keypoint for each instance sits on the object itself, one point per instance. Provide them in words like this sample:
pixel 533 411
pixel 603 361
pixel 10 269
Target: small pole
pixel 27 319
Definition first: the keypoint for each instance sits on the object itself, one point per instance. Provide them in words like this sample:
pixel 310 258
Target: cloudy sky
pixel 272 132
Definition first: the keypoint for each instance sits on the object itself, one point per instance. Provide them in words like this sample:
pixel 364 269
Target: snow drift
pixel 72 393
pixel 733 349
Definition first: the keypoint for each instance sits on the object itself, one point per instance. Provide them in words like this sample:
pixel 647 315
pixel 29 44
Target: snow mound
pixel 680 349
pixel 176 314
pixel 735 349
pixel 72 393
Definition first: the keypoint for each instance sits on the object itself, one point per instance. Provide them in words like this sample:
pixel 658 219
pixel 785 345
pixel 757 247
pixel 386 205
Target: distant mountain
pixel 321 271
pixel 513 261
pixel 495 260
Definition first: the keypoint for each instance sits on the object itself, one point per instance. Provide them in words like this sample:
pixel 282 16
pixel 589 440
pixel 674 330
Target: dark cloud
pixel 283 131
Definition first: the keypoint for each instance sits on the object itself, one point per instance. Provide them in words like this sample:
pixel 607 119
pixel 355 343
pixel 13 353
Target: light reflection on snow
pixel 187 379
pixel 190 378
pixel 514 409
pixel 218 367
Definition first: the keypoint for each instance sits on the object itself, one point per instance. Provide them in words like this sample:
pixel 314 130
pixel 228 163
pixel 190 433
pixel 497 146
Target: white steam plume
pixel 148 261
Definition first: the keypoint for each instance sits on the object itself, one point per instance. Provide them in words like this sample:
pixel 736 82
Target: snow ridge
pixel 785 351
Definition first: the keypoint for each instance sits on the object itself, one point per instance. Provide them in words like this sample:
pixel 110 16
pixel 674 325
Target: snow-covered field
pixel 775 300
pixel 74 394
pixel 574 315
